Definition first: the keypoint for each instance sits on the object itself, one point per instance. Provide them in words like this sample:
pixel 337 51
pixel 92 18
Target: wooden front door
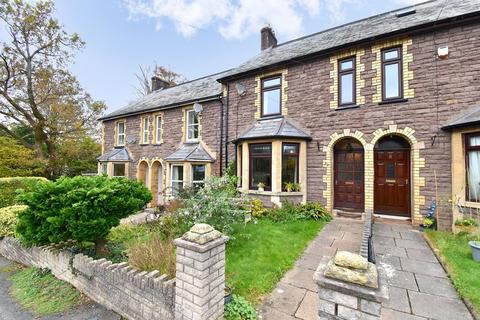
pixel 349 179
pixel 392 182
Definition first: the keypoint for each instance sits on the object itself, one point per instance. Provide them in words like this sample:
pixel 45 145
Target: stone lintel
pixel 378 295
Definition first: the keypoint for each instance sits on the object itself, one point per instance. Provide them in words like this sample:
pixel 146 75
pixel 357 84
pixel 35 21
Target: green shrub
pixel 257 208
pixel 315 211
pixel 239 309
pixel 79 208
pixel 287 212
pixel 308 211
pixel 8 220
pixel 9 187
pixel 466 222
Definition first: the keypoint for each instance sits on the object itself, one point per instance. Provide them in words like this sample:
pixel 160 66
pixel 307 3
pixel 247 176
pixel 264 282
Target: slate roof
pixel 370 28
pixel 116 154
pixel 273 128
pixel 471 117
pixel 188 92
pixel 190 152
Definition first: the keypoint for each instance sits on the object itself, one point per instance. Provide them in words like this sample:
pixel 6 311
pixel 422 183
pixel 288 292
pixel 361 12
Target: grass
pixel 42 293
pixel 259 254
pixel 464 271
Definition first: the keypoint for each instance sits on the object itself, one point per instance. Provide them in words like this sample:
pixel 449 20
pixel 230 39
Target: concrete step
pixel 348 214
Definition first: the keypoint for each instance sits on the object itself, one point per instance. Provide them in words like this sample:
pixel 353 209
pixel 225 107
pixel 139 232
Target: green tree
pixel 78 156
pixel 17 160
pixel 36 89
pixel 79 208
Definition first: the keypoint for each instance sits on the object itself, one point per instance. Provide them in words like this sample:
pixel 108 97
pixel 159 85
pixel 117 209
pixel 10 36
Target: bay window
pixel 198 175
pixel 346 82
pixel 119 170
pixel 177 179
pixel 290 154
pixel 192 126
pixel 392 74
pixel 271 96
pixel 261 165
pixel 472 157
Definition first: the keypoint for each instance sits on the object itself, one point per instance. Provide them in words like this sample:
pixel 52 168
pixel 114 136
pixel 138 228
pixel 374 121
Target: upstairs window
pixel 192 126
pixel 472 155
pixel 346 82
pixel 261 166
pixel 145 130
pixel 290 154
pixel 158 129
pixel 120 133
pixel 271 96
pixel 392 78
pixel 198 175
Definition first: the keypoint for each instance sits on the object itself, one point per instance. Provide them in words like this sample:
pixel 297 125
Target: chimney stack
pixel 159 84
pixel 268 38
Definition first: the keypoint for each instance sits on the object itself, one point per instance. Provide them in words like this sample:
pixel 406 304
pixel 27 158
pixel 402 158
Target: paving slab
pixel 308 309
pixel 268 313
pixel 403 279
pixel 301 278
pixel 390 260
pixel 389 314
pixel 437 286
pixel 285 298
pixel 383 240
pixel 439 308
pixel 398 300
pixel 421 255
pixel 411 235
pixel 394 251
pixel 415 244
pixel 422 267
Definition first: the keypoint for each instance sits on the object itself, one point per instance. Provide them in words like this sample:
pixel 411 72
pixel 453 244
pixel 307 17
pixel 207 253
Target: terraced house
pixel 381 114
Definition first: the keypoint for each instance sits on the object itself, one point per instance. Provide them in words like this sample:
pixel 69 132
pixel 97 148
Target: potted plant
pixel 428 222
pixel 297 187
pixel 289 186
pixel 261 186
pixel 228 294
pixel 475 247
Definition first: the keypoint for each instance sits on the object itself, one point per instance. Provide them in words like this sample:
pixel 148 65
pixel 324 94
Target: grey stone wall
pixel 133 294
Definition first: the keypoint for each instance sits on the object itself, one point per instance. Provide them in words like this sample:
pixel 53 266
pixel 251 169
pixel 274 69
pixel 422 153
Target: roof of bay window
pixel 202 89
pixel 469 118
pixel 274 128
pixel 116 154
pixel 190 152
pixel 384 25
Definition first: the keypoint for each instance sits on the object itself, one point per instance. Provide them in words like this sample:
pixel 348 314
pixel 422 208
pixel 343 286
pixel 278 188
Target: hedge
pixel 9 186
pixel 8 220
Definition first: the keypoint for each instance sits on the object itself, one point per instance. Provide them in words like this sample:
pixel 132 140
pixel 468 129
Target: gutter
pixel 460 125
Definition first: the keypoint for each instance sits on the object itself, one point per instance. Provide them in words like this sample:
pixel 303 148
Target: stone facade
pixel 435 90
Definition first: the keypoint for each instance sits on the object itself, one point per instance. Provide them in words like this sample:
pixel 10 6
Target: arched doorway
pixel 348 166
pixel 142 174
pixel 156 185
pixel 392 176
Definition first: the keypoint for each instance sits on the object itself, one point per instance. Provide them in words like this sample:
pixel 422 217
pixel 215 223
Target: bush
pixel 9 187
pixel 308 211
pixel 79 208
pixel 466 222
pixel 315 211
pixel 8 220
pixel 257 208
pixel 153 254
pixel 239 309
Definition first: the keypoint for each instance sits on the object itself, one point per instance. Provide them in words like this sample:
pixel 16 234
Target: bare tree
pixel 144 77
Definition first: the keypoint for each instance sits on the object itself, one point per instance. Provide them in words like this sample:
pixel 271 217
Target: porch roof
pixel 190 152
pixel 116 154
pixel 469 118
pixel 273 128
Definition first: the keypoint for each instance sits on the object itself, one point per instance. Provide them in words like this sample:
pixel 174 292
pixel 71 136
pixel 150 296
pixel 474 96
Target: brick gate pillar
pixel 200 274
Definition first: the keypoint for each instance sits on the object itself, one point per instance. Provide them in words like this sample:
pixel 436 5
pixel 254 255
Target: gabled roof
pixel 382 25
pixel 273 128
pixel 116 154
pixel 202 89
pixel 190 152
pixel 469 118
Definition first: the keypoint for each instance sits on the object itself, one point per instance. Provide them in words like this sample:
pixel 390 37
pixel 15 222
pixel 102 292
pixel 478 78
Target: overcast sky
pixel 192 37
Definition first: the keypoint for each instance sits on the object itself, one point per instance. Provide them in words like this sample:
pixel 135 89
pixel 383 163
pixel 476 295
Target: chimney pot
pixel 268 38
pixel 159 84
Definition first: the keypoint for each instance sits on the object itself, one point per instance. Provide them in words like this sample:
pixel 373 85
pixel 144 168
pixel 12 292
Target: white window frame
pixel 204 174
pixel 113 169
pixel 104 168
pixel 145 130
pixel 123 134
pixel 173 181
pixel 188 125
pixel 158 129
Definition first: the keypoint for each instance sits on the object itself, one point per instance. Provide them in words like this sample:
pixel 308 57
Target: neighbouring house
pixel 380 114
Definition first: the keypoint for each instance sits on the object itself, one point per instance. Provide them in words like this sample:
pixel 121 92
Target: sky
pixel 191 37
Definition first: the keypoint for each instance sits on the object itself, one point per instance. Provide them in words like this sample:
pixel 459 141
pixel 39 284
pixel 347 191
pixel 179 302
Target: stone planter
pixel 475 246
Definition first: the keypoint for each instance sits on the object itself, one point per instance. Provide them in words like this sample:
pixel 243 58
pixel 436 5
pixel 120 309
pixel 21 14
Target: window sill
pixel 272 193
pixel 144 144
pixel 471 204
pixel 353 106
pixel 393 101
pixel 275 116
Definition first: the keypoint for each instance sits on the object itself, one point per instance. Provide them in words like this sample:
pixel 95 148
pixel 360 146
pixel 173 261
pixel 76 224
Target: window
pixel 192 125
pixel 104 168
pixel 271 96
pixel 158 129
pixel 120 133
pixel 261 165
pixel 392 74
pixel 290 153
pixel 198 175
pixel 472 155
pixel 145 130
pixel 346 82
pixel 119 169
pixel 177 179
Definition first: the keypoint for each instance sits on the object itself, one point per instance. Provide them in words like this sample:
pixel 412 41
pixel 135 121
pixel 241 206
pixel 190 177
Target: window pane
pixel 192 132
pixel 390 170
pixel 262 172
pixel 473 175
pixel 121 127
pixel 176 187
pixel 271 82
pixel 192 117
pixel 289 169
pixel 121 140
pixel 177 173
pixel 388 55
pixel 159 130
pixel 290 148
pixel 104 168
pixel 261 148
pixel 474 141
pixel 271 102
pixel 391 80
pixel 119 170
pixel 346 83
pixel 345 65
pixel 198 172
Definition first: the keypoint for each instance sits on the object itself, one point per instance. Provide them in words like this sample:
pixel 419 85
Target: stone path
pixel 419 287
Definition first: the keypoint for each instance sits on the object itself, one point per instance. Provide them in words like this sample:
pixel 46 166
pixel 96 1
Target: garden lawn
pixel 464 271
pixel 258 255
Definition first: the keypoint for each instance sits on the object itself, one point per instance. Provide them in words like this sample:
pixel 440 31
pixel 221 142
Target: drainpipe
pixel 221 134
pixel 226 125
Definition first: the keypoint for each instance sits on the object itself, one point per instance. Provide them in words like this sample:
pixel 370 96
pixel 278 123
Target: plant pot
pixel 261 189
pixel 475 246
pixel 227 295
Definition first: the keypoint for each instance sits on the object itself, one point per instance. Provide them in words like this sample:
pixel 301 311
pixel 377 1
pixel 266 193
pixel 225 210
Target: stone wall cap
pixel 350 260
pixel 182 243
pixel 378 295
pixel 202 233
